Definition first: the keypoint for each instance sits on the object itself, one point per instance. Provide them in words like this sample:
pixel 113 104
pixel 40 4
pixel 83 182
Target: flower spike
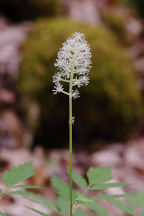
pixel 74 64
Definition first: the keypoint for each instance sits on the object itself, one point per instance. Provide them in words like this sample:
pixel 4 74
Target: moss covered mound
pixel 117 24
pixel 108 107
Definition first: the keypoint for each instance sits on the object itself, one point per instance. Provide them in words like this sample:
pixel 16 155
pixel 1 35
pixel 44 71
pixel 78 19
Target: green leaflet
pixel 62 206
pixel 112 199
pixel 18 174
pixel 97 208
pixel 99 175
pixel 136 199
pixel 62 188
pixel 37 211
pixel 28 187
pixel 83 199
pixel 79 180
pixel 106 197
pixel 108 185
pixel 122 206
pixel 80 212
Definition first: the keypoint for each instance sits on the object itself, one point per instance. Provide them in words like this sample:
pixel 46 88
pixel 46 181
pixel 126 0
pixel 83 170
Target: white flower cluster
pixel 74 60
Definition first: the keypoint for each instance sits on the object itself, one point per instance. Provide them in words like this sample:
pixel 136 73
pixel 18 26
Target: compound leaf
pixel 18 174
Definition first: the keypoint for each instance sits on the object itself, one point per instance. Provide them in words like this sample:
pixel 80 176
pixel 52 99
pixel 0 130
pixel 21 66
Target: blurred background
pixel 109 115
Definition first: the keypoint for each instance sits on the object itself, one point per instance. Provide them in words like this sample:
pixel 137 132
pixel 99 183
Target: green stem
pixel 70 151
pixel 70 140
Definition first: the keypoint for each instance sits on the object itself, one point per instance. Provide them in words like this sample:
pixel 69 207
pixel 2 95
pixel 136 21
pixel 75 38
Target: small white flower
pixel 75 94
pixel 58 88
pixel 73 61
pixel 83 80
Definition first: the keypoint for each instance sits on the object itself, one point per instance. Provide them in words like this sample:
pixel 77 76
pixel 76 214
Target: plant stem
pixel 70 140
pixel 70 151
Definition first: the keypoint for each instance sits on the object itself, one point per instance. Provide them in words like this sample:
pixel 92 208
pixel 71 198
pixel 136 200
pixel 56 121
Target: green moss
pixel 108 106
pixel 117 24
